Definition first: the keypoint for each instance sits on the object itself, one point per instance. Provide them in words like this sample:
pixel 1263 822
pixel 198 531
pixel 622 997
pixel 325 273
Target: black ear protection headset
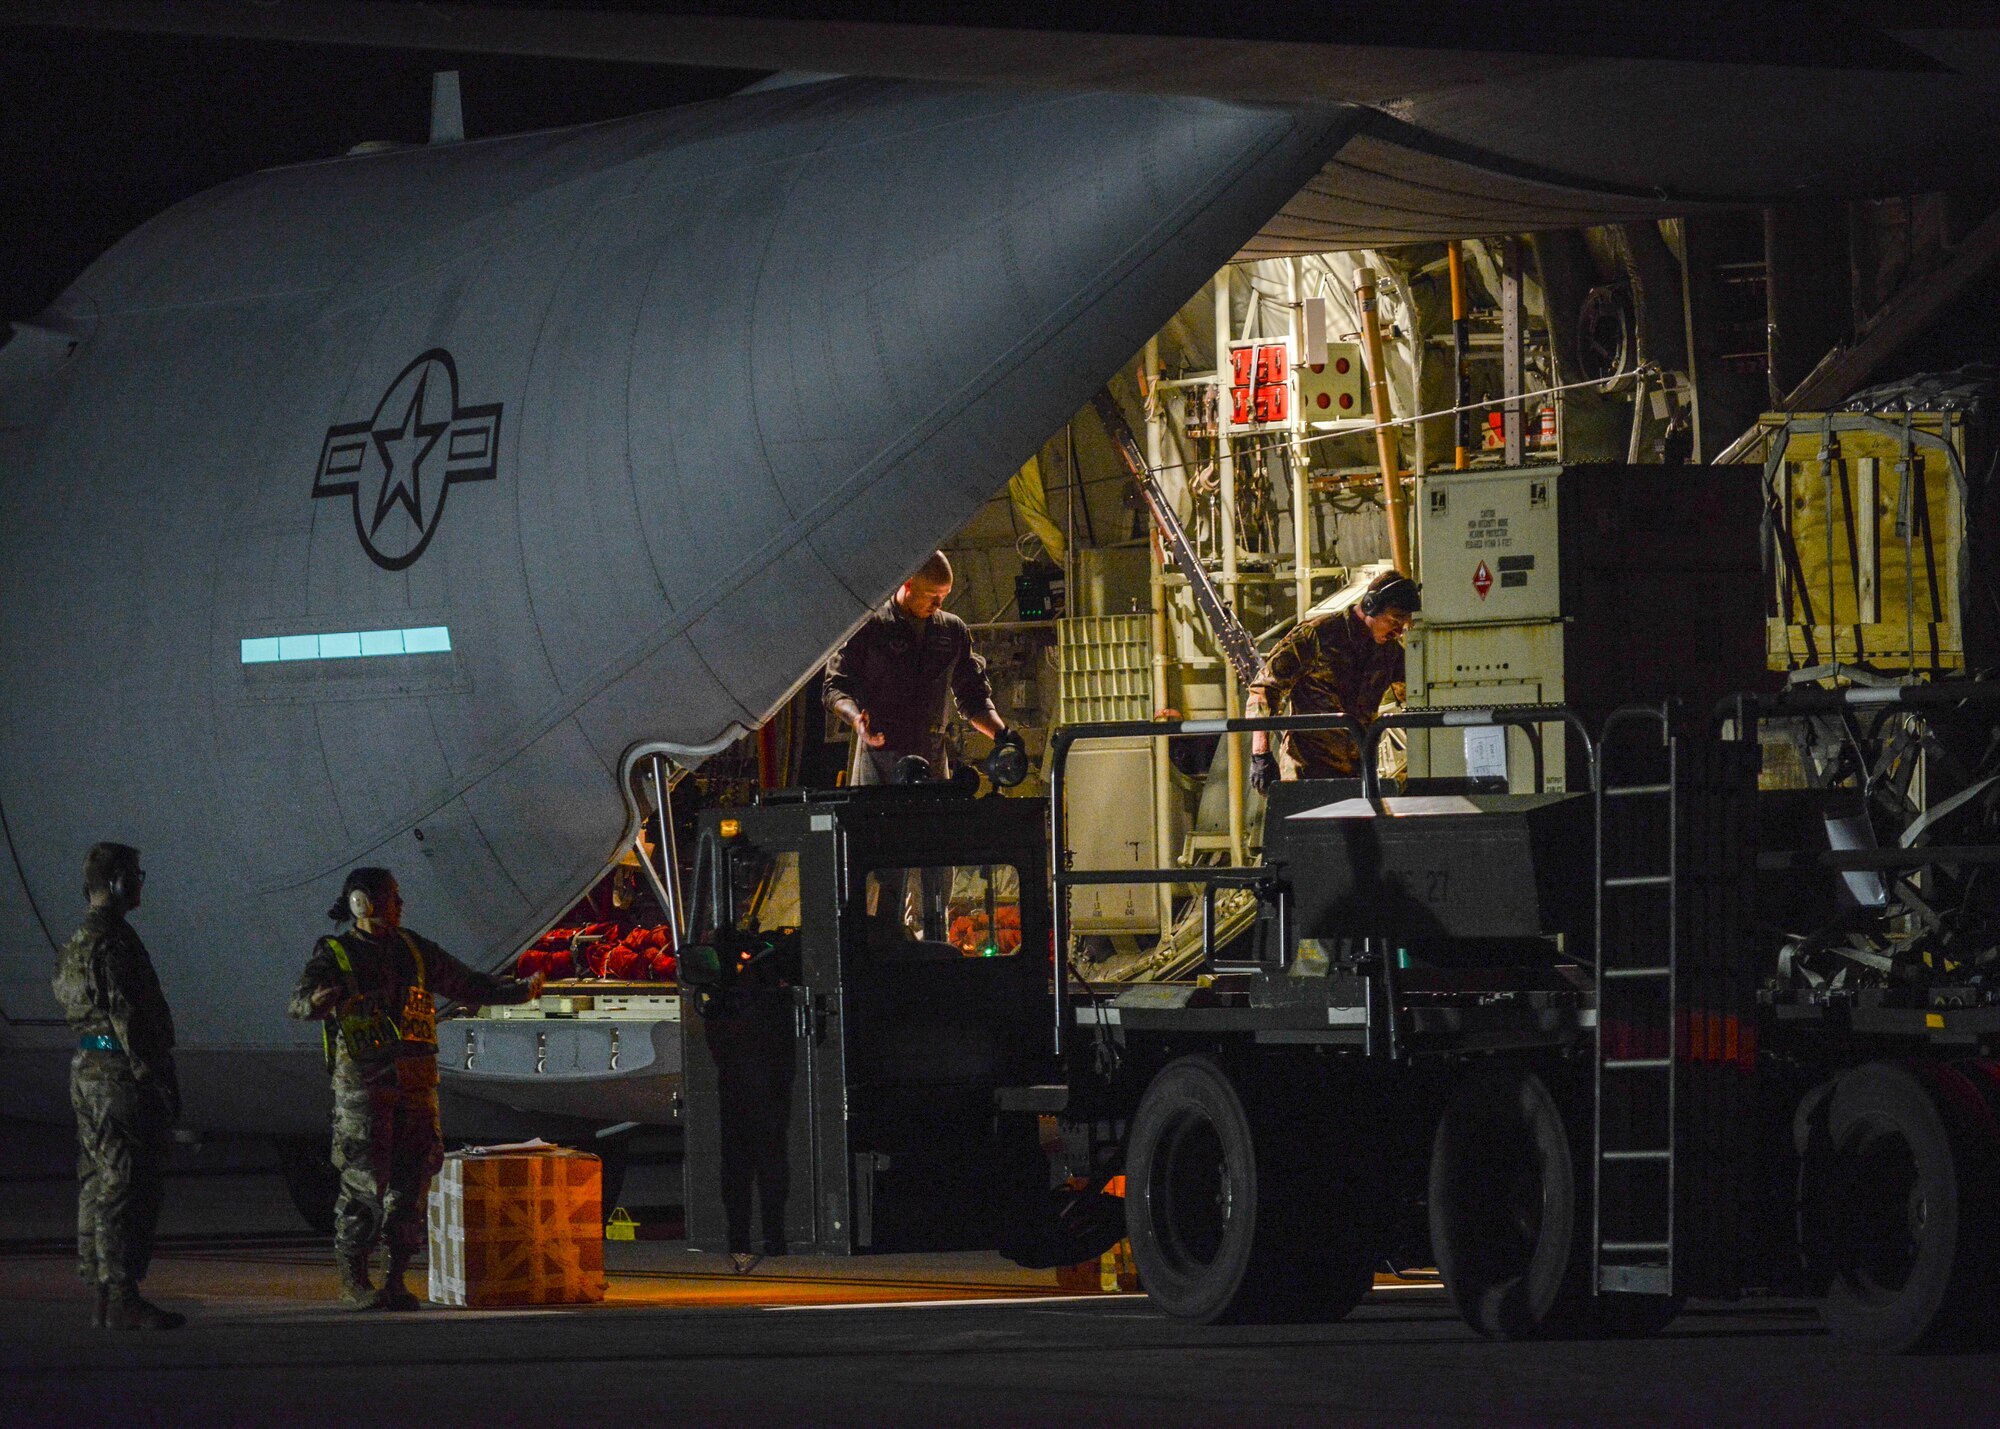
pixel 355 900
pixel 124 882
pixel 113 869
pixel 1398 594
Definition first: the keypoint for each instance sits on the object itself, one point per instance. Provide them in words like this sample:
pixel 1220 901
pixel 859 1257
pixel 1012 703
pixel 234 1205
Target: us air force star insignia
pixel 397 467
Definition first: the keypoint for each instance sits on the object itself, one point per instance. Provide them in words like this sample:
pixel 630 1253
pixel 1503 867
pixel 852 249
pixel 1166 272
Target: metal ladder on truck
pixel 1636 1092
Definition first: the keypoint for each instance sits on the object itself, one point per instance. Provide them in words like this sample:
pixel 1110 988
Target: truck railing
pixel 1745 712
pixel 1527 718
pixel 1063 878
pixel 1367 737
pixel 1746 709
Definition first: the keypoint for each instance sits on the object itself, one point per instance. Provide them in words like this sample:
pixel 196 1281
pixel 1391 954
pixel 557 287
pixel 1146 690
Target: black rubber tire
pixel 1222 1228
pixel 1899 1213
pixel 1503 1205
pixel 311 1180
pixel 612 1161
pixel 1510 1217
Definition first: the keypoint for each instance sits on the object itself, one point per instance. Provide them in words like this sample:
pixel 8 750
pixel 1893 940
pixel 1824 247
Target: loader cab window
pixel 942 911
pixel 746 916
pixel 745 889
pixel 766 890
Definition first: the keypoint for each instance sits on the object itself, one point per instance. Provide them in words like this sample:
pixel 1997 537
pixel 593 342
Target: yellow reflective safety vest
pixel 371 1034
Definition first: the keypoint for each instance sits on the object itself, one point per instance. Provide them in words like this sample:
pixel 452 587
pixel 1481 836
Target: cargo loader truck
pixel 1568 1048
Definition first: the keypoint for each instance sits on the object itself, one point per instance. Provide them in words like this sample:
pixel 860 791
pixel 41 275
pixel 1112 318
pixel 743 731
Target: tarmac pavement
pixel 907 1340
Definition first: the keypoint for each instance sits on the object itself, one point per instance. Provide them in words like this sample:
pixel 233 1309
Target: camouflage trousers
pixel 1323 754
pixel 123 1133
pixel 386 1145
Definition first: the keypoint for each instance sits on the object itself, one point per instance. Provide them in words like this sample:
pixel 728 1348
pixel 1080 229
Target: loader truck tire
pixel 311 1179
pixel 1231 1212
pixel 1899 1205
pixel 1510 1217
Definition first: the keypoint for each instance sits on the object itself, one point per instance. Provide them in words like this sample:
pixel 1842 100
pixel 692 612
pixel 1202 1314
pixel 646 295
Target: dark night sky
pixel 100 132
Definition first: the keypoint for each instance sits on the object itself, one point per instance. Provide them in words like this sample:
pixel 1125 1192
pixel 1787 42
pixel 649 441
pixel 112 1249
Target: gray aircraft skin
pixel 644 415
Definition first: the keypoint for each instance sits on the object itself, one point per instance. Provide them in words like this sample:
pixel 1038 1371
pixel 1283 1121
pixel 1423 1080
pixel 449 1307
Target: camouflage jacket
pixel 1331 664
pixel 900 673
pixel 107 988
pixel 384 974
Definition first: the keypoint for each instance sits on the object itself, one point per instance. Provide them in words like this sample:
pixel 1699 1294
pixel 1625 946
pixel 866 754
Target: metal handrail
pixel 1256 880
pixel 1814 699
pixel 1062 879
pixel 1527 716
pixel 1367 737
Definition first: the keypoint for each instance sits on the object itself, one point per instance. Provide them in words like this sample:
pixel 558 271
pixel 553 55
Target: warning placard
pixel 1488 531
pixel 1490 553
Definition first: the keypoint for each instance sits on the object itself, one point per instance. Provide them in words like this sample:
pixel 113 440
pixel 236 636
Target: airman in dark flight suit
pixel 374 985
pixel 889 681
pixel 123 1088
pixel 1339 663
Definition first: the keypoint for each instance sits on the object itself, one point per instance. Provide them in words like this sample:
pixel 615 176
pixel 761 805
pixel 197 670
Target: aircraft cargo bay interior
pixel 703 661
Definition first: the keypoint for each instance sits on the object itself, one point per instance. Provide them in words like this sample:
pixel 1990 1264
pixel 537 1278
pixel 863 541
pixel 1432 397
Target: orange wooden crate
pixel 517 1228
pixel 1110 1273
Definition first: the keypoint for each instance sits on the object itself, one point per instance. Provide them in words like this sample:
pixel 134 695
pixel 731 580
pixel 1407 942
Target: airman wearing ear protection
pixel 372 986
pixel 1343 662
pixel 123 1088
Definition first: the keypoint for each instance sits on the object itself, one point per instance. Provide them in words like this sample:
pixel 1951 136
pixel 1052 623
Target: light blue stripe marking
pixel 348 644
pixel 429 640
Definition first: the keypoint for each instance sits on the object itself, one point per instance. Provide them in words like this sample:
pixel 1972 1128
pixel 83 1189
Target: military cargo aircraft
pixel 387 509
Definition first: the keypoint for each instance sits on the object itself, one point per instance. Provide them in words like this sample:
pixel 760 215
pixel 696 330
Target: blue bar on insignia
pixel 381 642
pixel 260 652
pixel 344 646
pixel 298 647
pixel 428 640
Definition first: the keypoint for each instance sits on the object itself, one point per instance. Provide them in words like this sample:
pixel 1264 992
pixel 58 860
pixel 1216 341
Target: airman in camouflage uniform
pixel 374 984
pixel 123 1089
pixel 1345 662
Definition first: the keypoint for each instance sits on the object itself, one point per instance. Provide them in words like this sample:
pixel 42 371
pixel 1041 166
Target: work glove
pixel 1010 738
pixel 1264 771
